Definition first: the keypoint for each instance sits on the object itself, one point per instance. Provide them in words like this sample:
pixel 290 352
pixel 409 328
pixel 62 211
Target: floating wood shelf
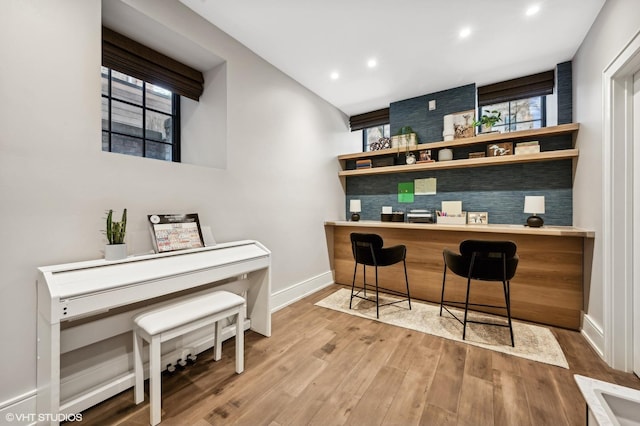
pixel 563 154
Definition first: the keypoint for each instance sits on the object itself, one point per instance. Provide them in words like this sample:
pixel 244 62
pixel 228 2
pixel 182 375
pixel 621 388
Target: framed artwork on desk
pixel 477 218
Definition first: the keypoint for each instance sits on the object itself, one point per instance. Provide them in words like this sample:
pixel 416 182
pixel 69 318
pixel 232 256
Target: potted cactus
pixel 116 248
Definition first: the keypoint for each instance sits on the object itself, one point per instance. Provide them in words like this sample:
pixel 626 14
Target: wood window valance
pixel 369 119
pixel 519 88
pixel 137 60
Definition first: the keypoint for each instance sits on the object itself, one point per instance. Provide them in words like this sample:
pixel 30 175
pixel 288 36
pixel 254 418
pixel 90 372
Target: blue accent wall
pixel 498 190
pixel 564 89
pixel 427 124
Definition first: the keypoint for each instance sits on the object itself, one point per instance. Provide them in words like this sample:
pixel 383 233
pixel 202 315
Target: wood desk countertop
pixel 559 231
pixel 547 287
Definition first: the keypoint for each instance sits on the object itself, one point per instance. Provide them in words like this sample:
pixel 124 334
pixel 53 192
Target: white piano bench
pixel 169 321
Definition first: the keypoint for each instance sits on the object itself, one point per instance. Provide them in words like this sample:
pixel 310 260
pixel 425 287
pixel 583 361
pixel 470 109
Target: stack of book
pixel 363 164
pixel 476 154
pixel 532 147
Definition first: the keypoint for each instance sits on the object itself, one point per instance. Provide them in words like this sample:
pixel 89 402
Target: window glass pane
pixel 158 126
pixel 523 111
pixel 160 151
pixel 137 117
pixel 521 114
pixel 126 145
pixel 158 98
pixel 126 87
pixel 105 114
pixel 528 125
pixel 503 108
pixel 373 135
pixel 105 141
pixel 502 128
pixel 126 119
pixel 105 81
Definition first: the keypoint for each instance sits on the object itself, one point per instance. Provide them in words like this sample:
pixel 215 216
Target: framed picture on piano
pixel 170 232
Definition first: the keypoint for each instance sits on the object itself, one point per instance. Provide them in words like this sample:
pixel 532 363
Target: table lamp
pixel 355 208
pixel 534 205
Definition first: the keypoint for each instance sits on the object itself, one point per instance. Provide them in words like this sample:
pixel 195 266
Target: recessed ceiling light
pixel 335 75
pixel 533 9
pixel 465 32
pixel 371 63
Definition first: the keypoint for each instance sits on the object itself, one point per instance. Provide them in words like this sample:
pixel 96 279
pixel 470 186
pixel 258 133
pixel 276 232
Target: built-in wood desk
pixel 547 287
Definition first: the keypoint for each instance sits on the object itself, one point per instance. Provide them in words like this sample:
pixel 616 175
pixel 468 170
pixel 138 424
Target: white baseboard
pixel 594 335
pixel 300 290
pixel 20 410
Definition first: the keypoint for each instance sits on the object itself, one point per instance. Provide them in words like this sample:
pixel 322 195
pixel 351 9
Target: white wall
pixel 616 24
pixel 279 185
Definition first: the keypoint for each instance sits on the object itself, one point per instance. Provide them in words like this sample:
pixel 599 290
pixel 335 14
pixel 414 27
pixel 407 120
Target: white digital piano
pixel 101 297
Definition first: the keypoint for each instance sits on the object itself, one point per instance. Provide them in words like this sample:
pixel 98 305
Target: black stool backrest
pixel 488 248
pixel 366 248
pixel 492 260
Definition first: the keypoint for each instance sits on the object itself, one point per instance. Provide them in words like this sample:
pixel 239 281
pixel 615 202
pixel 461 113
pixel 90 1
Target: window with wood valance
pixel 130 57
pixel 369 119
pixel 518 88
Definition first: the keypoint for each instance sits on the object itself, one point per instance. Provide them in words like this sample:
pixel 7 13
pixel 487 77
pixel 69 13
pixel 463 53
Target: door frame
pixel 617 174
pixel 636 229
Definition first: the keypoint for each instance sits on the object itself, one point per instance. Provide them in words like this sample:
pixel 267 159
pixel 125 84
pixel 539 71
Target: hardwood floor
pixel 323 367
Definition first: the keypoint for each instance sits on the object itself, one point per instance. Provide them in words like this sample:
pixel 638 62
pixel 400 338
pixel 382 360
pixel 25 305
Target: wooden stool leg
pixel 240 341
pixel 138 371
pixel 155 387
pixel 217 352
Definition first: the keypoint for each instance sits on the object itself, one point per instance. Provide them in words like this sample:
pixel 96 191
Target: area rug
pixel 532 342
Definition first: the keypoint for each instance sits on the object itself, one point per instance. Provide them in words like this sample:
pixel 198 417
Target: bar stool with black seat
pixel 368 250
pixel 483 261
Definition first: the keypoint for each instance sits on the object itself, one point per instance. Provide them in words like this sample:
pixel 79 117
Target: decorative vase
pixel 115 251
pixel 445 154
pixel 449 130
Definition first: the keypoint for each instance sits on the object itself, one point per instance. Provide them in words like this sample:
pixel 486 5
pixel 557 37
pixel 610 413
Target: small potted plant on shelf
pixel 116 248
pixel 488 120
pixel 405 137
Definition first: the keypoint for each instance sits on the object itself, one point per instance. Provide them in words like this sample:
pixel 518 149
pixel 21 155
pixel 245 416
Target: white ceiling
pixel 127 20
pixel 415 42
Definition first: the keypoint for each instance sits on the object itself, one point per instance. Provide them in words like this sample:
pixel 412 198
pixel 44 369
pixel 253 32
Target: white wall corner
pixel 594 335
pixel 289 295
pixel 20 410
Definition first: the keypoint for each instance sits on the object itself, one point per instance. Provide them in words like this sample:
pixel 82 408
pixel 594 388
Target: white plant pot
pixel 115 251
pixel 402 141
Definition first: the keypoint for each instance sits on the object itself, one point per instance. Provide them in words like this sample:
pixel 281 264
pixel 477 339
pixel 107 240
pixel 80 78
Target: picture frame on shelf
pixel 463 124
pixel 499 149
pixel 477 218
